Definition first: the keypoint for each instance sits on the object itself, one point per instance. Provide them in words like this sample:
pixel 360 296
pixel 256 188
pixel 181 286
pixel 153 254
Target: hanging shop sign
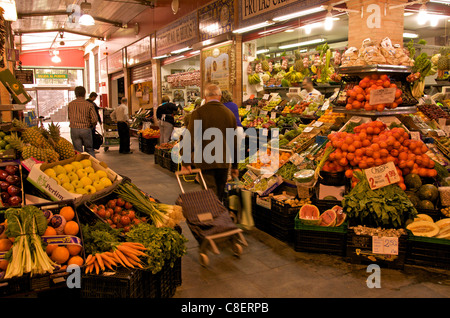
pixel 218 65
pixel 25 76
pixel 183 32
pixel 14 87
pixel 255 11
pixel 52 76
pixel 215 19
pixel 115 62
pixel 138 52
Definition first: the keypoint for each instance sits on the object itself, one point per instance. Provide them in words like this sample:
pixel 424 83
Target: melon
pixel 328 218
pixel 443 223
pixel 423 217
pixel 413 198
pixel 413 181
pixel 444 232
pixel 426 205
pixel 340 215
pixel 309 214
pixel 423 228
pixel 428 192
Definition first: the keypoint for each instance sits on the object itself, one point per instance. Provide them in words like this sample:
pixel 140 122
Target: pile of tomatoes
pixel 371 144
pixel 358 97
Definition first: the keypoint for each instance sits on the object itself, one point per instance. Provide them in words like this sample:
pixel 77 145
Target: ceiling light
pixel 410 35
pixel 305 43
pixel 262 51
pixel 407 14
pixel 299 14
pixel 422 17
pixel 55 58
pixel 254 27
pixel 181 50
pixel 328 24
pixel 161 56
pixel 194 52
pixel 86 20
pixel 10 11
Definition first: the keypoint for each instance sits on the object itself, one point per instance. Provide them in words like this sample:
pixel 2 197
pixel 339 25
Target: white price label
pixel 263 113
pixel 318 124
pixel 382 176
pixel 382 96
pixel 385 245
pixel 296 159
pixel 248 108
pixel 265 132
pixel 266 96
pixel 273 115
pixel 415 135
pixel 308 129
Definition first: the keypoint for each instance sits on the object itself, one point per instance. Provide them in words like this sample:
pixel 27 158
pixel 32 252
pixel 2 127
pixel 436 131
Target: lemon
pixel 81 173
pixel 69 168
pixel 86 181
pixel 77 165
pixel 101 174
pixel 59 169
pixel 106 182
pixel 93 176
pixel 50 172
pixel 86 163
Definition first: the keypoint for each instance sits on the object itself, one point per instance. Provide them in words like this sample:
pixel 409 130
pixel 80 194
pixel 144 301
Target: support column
pixel 375 21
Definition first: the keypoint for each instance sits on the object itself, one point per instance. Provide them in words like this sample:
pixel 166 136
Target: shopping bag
pixel 98 140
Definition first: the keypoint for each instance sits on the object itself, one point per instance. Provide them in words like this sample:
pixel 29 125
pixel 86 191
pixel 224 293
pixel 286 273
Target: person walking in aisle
pixel 165 115
pixel 82 118
pixel 213 114
pixel 120 116
pixel 92 97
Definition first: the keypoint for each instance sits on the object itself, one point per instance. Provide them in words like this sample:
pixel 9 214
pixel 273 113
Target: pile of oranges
pixel 372 145
pixel 264 160
pixel 358 97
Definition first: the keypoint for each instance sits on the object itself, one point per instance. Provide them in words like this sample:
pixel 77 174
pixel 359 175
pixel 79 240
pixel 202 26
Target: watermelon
pixel 328 218
pixel 309 214
pixel 340 215
pixel 428 192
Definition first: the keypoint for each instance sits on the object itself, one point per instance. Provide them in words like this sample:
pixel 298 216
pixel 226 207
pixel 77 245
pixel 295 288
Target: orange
pixel 74 249
pixel 4 265
pixel 50 248
pixel 5 245
pixel 60 255
pixel 50 231
pixel 67 212
pixel 71 228
pixel 77 260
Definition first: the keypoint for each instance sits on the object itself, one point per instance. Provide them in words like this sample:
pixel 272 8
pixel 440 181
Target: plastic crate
pixel 283 220
pixel 320 239
pixel 359 251
pixel 147 146
pixel 123 283
pixel 428 251
pixel 262 217
pixel 14 286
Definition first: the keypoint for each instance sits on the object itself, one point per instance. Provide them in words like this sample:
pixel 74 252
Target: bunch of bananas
pixel 254 79
pixel 293 76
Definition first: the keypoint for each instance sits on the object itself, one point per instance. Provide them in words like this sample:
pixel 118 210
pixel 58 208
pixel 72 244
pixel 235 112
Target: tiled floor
pixel 269 267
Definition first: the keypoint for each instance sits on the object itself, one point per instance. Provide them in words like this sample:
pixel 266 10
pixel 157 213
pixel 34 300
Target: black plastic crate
pixel 15 286
pixel 147 145
pixel 428 251
pixel 123 283
pixel 359 251
pixel 262 217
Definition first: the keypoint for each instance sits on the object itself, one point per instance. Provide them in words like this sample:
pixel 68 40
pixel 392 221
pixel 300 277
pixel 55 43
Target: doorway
pixel 117 90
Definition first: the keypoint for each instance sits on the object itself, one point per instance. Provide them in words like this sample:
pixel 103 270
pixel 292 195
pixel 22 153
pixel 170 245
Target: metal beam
pixel 21 32
pixel 55 13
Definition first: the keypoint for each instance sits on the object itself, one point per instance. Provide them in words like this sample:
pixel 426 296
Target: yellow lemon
pixel 86 163
pixel 101 174
pixel 50 172
pixel 86 181
pixel 81 173
pixel 106 182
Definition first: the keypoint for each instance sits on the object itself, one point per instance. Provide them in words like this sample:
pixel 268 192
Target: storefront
pixel 116 78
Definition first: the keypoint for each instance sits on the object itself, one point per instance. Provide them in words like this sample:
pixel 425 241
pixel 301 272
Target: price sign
pixel 263 113
pixel 415 135
pixel 382 96
pixel 308 129
pixel 248 108
pixel 266 96
pixel 296 159
pixel 318 124
pixel 382 176
pixel 265 132
pixel 385 245
pixel 273 115
pixel 326 105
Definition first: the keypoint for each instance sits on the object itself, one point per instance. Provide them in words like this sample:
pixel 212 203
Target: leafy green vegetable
pixel 164 245
pixel 387 207
pixel 99 237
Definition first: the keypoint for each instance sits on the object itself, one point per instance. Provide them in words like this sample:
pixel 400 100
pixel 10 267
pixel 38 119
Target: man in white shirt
pixel 120 116
pixel 309 93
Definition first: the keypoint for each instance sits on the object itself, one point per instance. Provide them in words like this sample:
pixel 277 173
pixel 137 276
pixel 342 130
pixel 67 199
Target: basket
pixel 428 251
pixel 444 194
pixel 305 190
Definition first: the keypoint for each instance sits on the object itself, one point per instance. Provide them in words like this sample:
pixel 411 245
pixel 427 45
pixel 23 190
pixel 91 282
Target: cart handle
pixel 182 173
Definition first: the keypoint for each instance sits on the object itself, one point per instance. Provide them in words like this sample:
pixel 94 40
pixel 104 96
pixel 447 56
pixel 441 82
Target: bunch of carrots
pixel 125 254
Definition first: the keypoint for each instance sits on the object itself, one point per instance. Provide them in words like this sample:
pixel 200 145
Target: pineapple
pixel 28 151
pixel 298 64
pixel 32 135
pixel 264 63
pixel 62 146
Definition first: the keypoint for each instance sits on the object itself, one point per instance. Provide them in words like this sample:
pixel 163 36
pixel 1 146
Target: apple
pixel 90 189
pixel 63 178
pixel 72 176
pixel 77 165
pixel 13 179
pixel 80 191
pixel 13 190
pixel 50 172
pixel 15 200
pixel 68 186
pixel 77 184
pixel 4 185
pixel 86 163
pixel 89 170
pixel 3 174
pixel 93 176
pixel 69 168
pixel 59 169
pixel 106 182
pixel 11 169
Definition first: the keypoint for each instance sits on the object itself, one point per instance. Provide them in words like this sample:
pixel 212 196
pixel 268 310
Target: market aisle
pixel 269 267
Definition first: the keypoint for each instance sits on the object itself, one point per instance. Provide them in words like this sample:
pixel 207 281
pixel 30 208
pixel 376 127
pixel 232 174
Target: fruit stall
pixel 367 172
pixel 67 219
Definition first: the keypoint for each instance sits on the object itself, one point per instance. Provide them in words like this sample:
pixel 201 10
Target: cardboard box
pixel 56 192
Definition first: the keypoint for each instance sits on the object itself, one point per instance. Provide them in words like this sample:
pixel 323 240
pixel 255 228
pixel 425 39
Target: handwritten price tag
pixel 382 96
pixel 248 108
pixel 273 115
pixel 382 176
pixel 263 113
pixel 266 96
pixel 385 245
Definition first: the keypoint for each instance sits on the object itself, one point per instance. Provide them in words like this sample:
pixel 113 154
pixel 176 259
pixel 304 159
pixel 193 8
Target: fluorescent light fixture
pixel 272 30
pixel 262 51
pixel 9 6
pixel 328 23
pixel 194 52
pixel 299 14
pixel 181 50
pixel 305 43
pixel 410 35
pixel 289 30
pixel 254 27
pixel 86 20
pixel 422 17
pixel 407 14
pixel 161 56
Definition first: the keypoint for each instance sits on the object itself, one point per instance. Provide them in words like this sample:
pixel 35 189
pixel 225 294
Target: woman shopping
pixel 165 115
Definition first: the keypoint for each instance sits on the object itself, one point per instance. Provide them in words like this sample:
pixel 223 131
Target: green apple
pixel 50 172
pixel 90 189
pixel 93 176
pixel 69 168
pixel 59 169
pixel 77 184
pixel 101 174
pixel 89 170
pixel 98 185
pixel 81 173
pixel 77 165
pixel 106 182
pixel 63 178
pixel 86 163
pixel 72 176
pixel 86 181
pixel 80 191
pixel 68 186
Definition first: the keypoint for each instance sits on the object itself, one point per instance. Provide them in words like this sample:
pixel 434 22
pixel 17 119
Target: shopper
pixel 92 97
pixel 227 100
pixel 82 118
pixel 309 93
pixel 165 115
pixel 213 114
pixel 120 116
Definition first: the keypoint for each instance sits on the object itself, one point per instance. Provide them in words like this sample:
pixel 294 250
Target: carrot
pixel 131 250
pixel 135 263
pixel 124 258
pixel 107 263
pixel 97 269
pixel 98 257
pixel 90 259
pixel 131 256
pixel 89 268
pixel 108 259
pixel 118 259
pixel 137 246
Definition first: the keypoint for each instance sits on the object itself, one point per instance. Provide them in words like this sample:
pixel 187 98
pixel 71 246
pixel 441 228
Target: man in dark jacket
pixel 165 115
pixel 91 99
pixel 215 117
